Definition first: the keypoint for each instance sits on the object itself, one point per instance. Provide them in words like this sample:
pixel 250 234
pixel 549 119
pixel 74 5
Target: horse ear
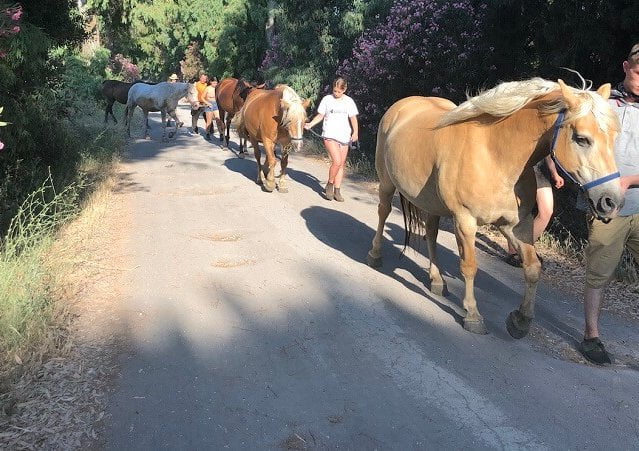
pixel 569 97
pixel 306 103
pixel 604 91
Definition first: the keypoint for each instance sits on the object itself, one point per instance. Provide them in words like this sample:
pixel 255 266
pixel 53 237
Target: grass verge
pixel 32 321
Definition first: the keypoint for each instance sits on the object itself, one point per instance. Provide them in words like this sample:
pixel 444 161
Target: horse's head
pixel 584 149
pixel 191 95
pixel 293 115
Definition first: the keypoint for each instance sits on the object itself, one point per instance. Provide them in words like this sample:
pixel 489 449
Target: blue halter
pixel 587 186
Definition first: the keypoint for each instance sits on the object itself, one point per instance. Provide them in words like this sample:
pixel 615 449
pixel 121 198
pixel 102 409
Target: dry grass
pixel 233 263
pixel 564 269
pixel 53 397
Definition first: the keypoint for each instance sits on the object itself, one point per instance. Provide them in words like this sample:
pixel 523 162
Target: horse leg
pixel 269 150
pixel 258 157
pixel 465 230
pixel 437 283
pixel 386 191
pixel 173 115
pixel 147 135
pixel 518 321
pixel 130 108
pixel 227 137
pixel 109 110
pixel 282 186
pixel 163 114
pixel 220 125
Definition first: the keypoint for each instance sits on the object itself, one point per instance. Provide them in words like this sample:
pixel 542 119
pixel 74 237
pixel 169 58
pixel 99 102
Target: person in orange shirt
pixel 201 86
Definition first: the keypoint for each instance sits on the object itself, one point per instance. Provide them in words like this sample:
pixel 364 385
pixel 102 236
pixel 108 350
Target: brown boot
pixel 330 191
pixel 338 195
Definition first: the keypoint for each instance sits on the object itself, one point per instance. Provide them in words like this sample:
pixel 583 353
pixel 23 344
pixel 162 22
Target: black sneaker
pixel 594 351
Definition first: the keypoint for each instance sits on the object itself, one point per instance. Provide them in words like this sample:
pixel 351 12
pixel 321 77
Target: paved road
pixel 253 323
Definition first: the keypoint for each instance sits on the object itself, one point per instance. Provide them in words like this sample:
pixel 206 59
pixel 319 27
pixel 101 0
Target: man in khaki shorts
pixel 606 241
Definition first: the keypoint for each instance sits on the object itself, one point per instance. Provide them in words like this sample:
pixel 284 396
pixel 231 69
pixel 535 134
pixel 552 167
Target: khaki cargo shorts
pixel 606 243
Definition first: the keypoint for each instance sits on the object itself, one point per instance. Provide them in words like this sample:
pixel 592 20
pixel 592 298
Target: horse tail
pixel 414 220
pixel 238 123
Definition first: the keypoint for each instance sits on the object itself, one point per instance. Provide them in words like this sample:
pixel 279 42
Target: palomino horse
pixel 475 163
pixel 115 90
pixel 273 116
pixel 230 94
pixel 162 97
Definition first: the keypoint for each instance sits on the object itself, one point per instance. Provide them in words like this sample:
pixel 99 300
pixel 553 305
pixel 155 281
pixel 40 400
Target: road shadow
pixel 495 298
pixel 306 179
pixel 334 371
pixel 319 220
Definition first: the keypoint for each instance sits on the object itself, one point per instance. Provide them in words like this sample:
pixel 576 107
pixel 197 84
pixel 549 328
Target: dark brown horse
pixel 115 90
pixel 230 94
pixel 272 116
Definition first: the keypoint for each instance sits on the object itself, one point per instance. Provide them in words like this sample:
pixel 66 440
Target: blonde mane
pixel 509 97
pixel 292 106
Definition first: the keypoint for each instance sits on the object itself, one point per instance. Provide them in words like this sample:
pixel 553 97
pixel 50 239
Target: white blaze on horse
pixel 162 97
pixel 474 162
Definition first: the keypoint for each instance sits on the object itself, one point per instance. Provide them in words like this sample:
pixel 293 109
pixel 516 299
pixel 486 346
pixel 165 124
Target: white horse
pixel 162 97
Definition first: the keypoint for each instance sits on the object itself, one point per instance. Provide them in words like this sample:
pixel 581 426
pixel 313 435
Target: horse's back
pixel 409 146
pixel 155 97
pixel 115 90
pixel 426 111
pixel 259 115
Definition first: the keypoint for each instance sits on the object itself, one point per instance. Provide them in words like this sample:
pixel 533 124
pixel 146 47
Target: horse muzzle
pixel 606 205
pixel 297 143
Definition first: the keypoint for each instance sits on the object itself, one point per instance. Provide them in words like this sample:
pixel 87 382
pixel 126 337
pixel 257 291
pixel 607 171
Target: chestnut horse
pixel 273 116
pixel 230 94
pixel 474 162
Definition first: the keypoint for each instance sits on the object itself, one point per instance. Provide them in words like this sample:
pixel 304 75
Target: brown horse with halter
pixel 474 162
pixel 273 116
pixel 230 94
pixel 115 90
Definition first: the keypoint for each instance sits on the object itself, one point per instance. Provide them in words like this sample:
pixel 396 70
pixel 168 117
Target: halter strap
pixel 556 127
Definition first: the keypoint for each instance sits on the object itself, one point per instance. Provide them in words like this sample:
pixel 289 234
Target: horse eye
pixel 581 141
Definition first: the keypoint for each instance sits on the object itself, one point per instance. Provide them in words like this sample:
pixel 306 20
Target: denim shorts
pixel 212 108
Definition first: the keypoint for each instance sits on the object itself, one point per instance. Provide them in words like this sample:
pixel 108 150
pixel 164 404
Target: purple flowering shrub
pixel 125 68
pixel 425 47
pixel 9 25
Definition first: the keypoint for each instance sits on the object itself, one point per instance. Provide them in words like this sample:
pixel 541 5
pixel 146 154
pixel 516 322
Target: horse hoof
pixel 373 262
pixel 517 325
pixel 439 289
pixel 475 327
pixel 282 190
pixel 268 187
pixel 242 155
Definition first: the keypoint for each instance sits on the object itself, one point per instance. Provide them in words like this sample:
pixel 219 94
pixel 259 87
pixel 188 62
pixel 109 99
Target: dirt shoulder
pixel 61 403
